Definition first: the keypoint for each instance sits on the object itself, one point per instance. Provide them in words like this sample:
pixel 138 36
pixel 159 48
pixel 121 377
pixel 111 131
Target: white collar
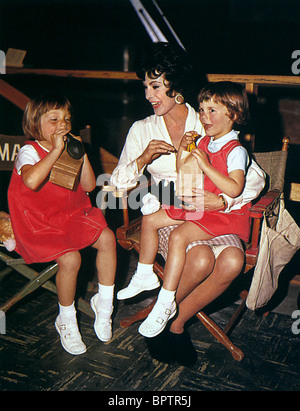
pixel 44 148
pixel 215 145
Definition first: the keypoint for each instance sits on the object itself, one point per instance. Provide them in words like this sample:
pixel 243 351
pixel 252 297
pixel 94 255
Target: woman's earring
pixel 179 99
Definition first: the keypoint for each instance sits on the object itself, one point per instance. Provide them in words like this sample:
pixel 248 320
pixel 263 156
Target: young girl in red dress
pixel 224 162
pixel 51 222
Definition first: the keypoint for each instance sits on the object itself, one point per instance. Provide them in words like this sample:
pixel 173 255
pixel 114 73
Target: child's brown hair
pixel 39 106
pixel 232 95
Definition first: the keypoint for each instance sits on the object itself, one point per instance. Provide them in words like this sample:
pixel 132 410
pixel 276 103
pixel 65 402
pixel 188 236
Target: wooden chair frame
pixel 128 237
pixel 36 280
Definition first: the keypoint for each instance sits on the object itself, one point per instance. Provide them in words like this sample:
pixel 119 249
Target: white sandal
pixel 70 337
pixel 157 319
pixel 102 326
pixel 137 285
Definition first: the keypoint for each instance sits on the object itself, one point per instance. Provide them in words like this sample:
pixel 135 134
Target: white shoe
pixel 138 285
pixel 70 337
pixel 102 326
pixel 157 319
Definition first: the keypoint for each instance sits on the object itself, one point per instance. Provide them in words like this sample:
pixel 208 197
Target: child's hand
pixel 59 137
pixel 201 157
pixel 58 141
pixel 188 139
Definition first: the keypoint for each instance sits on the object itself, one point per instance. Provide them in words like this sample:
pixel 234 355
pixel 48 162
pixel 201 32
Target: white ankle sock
pixel 105 299
pixel 143 270
pixel 67 313
pixel 106 291
pixel 166 296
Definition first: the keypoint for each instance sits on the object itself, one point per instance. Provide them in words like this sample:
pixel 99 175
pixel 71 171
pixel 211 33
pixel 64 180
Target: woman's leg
pixel 202 281
pixel 179 239
pixel 199 264
pixel 227 267
pixel 165 306
pixel 169 347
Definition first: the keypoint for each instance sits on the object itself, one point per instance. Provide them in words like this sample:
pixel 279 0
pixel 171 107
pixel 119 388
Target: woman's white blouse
pixel 139 136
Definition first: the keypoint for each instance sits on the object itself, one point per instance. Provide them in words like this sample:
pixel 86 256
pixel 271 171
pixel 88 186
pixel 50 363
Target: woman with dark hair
pixel 152 144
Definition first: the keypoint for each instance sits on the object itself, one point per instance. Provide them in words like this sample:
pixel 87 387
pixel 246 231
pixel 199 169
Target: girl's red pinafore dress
pixel 218 223
pixel 51 220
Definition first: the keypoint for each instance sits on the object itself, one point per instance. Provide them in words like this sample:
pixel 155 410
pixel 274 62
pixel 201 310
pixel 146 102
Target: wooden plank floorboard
pixel 32 359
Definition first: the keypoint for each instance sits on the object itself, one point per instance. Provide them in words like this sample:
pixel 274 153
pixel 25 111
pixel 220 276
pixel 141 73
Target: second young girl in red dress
pixel 224 163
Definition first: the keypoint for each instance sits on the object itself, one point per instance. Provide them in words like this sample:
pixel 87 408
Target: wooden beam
pixel 127 75
pixel 13 95
pixel 257 79
pixel 95 74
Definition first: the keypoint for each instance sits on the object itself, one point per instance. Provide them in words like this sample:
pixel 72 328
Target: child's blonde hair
pixel 232 95
pixel 36 108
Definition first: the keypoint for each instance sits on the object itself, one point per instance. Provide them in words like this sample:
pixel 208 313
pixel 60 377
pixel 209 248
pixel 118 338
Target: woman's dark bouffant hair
pixel 232 95
pixel 173 62
pixel 36 108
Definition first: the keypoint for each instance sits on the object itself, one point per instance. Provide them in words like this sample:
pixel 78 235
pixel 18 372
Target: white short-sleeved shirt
pixel 238 158
pixel 26 155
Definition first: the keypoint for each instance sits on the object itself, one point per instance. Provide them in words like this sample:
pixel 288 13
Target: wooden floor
pixel 32 359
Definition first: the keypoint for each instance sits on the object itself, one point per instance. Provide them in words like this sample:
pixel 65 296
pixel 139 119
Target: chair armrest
pixel 265 203
pixel 117 192
pixel 128 235
pixel 124 192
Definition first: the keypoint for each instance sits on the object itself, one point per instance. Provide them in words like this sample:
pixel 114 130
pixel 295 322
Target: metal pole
pixel 147 21
pixel 168 24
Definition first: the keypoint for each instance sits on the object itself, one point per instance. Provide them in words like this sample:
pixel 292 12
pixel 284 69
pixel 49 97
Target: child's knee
pixel 176 239
pixel 148 222
pixel 70 261
pixel 107 239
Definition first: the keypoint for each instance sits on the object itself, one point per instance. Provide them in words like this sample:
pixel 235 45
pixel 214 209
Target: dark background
pixel 228 36
pixel 224 36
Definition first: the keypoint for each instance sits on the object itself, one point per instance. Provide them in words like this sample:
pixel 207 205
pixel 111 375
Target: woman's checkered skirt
pixel 228 239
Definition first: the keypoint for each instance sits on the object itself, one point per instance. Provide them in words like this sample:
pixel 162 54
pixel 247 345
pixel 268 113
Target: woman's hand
pixel 155 149
pixel 203 200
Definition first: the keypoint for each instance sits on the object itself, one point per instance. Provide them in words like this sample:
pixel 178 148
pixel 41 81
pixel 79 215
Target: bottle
pixel 192 146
